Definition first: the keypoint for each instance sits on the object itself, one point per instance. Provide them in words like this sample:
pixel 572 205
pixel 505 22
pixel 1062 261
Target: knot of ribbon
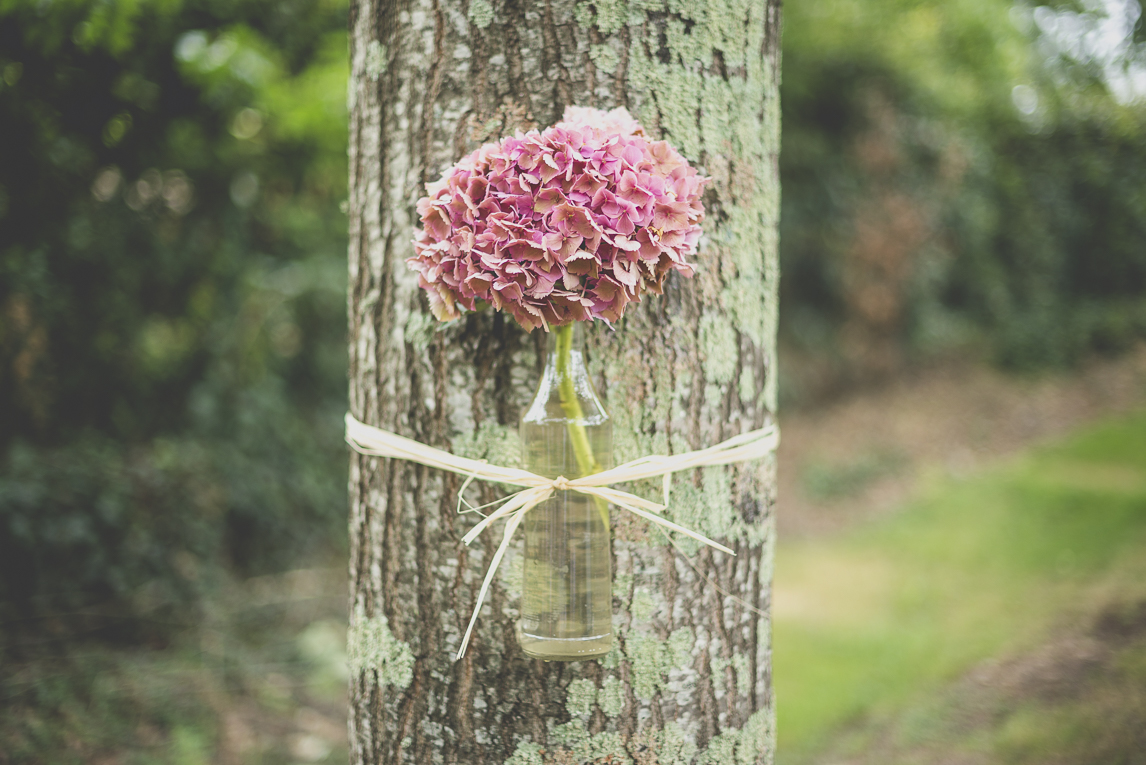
pixel 376 442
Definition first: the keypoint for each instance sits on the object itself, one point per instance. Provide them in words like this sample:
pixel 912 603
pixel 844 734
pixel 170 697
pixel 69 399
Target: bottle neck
pixel 566 400
pixel 566 346
pixel 565 390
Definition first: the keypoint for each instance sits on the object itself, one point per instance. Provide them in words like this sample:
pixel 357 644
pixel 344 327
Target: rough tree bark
pixel 690 678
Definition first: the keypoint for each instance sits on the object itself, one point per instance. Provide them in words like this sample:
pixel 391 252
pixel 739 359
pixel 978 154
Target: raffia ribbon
pixel 375 442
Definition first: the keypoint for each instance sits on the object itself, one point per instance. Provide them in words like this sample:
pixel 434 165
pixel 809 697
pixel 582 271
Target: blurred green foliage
pixel 172 371
pixel 953 181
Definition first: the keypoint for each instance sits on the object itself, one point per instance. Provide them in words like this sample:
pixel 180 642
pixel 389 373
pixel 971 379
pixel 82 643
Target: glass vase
pixel 567 592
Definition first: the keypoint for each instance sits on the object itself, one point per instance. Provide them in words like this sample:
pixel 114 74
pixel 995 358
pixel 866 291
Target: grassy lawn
pixel 905 636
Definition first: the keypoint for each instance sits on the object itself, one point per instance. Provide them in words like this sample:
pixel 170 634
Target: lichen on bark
pixel 372 648
pixel 689 678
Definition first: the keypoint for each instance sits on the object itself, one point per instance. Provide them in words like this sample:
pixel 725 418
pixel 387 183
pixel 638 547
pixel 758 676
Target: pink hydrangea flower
pixel 570 224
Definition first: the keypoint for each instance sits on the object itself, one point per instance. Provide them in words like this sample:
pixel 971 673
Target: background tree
pixel 690 674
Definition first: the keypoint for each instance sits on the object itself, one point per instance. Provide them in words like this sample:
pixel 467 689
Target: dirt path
pixel 862 456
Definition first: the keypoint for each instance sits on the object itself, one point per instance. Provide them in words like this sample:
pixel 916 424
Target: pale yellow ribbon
pixel 376 442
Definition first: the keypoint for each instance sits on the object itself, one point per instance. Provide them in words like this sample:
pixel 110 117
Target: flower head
pixel 569 224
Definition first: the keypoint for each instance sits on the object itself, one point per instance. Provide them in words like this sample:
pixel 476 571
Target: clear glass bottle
pixel 567 591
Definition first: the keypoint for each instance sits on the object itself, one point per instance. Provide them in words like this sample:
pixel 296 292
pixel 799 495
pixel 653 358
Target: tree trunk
pixel 690 678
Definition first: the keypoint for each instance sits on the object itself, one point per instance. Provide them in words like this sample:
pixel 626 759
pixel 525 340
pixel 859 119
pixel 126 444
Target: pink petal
pixel 624 243
pixel 508 290
pixel 526 250
pixel 547 199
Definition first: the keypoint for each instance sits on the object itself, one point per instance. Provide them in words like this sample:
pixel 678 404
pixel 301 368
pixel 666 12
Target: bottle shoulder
pixel 552 403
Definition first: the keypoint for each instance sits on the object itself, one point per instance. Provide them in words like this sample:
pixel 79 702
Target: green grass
pixel 877 623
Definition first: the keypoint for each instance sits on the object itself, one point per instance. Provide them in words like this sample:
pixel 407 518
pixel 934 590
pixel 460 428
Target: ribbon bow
pixel 375 442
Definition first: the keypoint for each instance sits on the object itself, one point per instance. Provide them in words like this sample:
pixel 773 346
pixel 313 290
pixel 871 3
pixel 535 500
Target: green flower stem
pixel 587 462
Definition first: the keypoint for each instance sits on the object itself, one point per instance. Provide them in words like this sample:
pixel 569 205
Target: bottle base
pixel 565 649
